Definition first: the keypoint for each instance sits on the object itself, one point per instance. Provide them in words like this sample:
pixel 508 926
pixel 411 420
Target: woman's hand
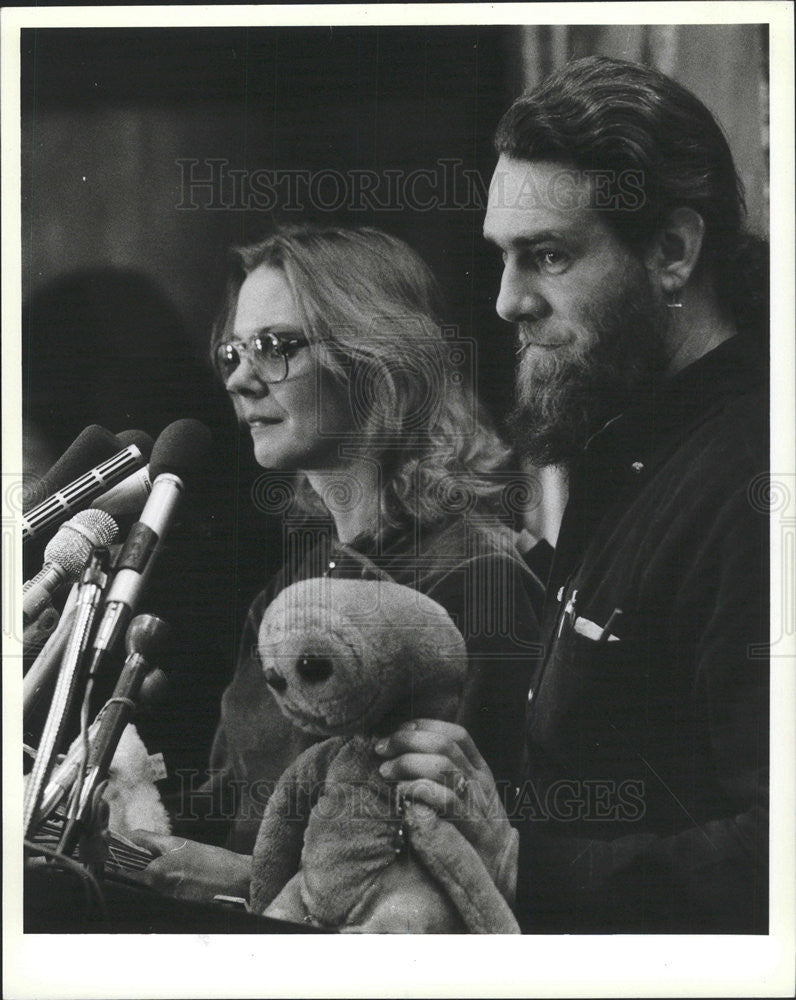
pixel 188 870
pixel 438 763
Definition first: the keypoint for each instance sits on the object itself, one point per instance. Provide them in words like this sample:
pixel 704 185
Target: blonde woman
pixel 331 347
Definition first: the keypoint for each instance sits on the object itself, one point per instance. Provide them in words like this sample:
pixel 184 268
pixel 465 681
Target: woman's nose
pixel 244 379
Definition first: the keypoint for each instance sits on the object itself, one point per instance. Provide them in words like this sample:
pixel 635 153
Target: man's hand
pixel 188 870
pixel 438 763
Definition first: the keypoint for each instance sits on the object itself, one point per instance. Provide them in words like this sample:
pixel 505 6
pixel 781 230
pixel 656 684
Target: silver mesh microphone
pixel 65 557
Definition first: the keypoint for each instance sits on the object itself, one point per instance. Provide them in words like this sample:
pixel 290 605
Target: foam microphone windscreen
pixel 182 449
pixel 94 444
pixel 140 439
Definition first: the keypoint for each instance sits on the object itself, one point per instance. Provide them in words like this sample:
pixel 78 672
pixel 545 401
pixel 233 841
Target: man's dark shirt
pixel 646 808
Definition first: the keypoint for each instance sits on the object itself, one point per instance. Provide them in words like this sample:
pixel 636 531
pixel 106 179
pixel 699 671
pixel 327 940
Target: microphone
pixel 64 774
pixel 146 640
pixel 89 594
pixel 37 680
pixel 93 444
pixel 65 557
pixel 128 496
pixel 79 493
pixel 180 453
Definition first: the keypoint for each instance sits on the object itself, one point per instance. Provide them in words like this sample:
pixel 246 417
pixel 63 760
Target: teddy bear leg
pixel 405 901
pixel 289 904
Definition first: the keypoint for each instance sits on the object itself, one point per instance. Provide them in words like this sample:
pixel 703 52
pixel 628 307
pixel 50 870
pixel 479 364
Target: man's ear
pixel 674 252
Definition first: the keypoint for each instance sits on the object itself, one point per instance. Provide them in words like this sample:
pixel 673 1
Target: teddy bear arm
pixel 280 839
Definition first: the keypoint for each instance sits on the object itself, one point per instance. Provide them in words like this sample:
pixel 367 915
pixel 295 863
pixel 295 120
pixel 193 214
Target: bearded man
pixel 640 306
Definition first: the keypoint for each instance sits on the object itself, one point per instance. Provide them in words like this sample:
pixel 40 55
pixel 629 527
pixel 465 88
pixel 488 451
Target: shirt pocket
pixel 586 685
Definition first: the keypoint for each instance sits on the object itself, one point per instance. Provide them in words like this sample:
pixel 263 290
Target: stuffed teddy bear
pixel 350 660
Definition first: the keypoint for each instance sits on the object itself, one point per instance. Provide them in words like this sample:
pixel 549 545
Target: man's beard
pixel 564 396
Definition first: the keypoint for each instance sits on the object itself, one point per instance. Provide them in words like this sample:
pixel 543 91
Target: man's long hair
pixel 656 147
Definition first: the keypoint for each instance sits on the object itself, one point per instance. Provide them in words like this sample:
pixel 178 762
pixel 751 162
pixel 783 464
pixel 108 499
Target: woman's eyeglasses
pixel 268 355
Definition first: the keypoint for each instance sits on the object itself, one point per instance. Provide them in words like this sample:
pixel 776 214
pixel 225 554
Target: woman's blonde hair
pixel 372 310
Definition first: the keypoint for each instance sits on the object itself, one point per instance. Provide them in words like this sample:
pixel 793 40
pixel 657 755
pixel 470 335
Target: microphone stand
pixel 44 668
pixel 95 577
pixel 145 641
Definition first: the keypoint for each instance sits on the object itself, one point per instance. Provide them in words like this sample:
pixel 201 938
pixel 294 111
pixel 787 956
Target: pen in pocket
pixel 606 632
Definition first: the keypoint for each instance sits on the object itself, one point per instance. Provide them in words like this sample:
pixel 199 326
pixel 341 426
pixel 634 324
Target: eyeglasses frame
pixel 280 344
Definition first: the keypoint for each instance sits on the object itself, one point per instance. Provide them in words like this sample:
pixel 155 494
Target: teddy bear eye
pixel 314 668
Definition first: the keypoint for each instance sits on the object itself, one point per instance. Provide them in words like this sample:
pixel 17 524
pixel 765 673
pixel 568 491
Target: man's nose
pixel 518 299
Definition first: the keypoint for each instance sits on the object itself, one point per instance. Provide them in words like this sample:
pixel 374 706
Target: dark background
pixel 121 108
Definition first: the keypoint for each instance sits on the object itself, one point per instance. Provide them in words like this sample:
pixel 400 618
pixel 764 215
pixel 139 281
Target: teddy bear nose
pixel 275 680
pixel 314 668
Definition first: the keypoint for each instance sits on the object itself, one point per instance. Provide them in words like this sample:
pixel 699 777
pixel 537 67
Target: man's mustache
pixel 524 337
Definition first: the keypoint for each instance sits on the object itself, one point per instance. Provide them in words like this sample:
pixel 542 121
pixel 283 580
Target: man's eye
pixel 552 260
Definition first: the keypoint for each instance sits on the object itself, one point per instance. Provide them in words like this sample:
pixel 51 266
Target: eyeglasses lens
pixel 269 364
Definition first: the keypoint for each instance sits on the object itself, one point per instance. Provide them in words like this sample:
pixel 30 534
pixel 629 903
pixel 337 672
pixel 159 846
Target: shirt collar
pixel 678 404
